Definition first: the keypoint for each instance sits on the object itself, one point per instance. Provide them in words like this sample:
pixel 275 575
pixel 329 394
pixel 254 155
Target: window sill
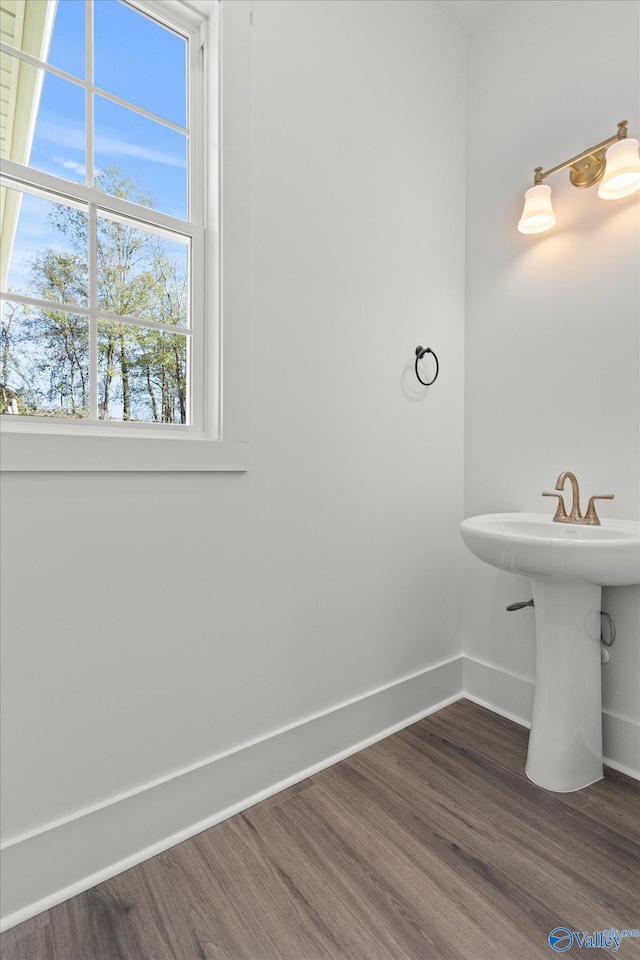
pixel 41 452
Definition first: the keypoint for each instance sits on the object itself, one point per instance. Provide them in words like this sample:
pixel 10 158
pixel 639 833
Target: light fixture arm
pixel 613 163
pixel 587 167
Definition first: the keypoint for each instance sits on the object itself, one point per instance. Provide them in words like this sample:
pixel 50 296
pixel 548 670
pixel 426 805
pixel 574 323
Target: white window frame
pixel 218 31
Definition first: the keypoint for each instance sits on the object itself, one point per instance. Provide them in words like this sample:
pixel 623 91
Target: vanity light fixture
pixel 617 169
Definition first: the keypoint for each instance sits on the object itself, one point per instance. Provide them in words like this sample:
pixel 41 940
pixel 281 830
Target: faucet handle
pixel 591 516
pixel 561 511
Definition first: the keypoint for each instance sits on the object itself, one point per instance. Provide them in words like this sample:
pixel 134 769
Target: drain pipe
pixel 606 642
pixel 520 605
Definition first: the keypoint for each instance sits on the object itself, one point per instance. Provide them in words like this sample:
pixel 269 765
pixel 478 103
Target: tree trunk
pixel 107 379
pixel 124 366
pixel 72 385
pixel 166 402
pixel 152 396
pixel 181 385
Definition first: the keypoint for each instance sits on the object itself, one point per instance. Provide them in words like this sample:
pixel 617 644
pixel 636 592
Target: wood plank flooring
pixel 430 845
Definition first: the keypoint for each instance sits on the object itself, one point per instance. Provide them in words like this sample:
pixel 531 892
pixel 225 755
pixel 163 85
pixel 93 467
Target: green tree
pixel 142 371
pixel 16 394
pixel 63 336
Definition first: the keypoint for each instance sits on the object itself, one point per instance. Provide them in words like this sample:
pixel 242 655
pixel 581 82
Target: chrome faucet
pixel 561 515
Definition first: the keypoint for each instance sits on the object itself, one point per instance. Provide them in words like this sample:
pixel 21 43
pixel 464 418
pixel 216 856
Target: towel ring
pixel 420 352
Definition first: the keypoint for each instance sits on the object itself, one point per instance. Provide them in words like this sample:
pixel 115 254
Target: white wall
pixel 552 322
pixel 154 622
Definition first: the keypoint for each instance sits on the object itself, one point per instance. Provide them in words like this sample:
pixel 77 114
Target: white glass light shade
pixel 538 213
pixel 622 172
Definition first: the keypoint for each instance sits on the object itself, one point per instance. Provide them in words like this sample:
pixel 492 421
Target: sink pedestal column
pixel 565 744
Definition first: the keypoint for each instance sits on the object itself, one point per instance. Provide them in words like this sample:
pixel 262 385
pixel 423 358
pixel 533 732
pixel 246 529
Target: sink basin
pixel 534 545
pixel 568 565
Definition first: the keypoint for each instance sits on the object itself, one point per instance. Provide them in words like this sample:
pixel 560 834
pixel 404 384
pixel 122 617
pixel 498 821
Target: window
pixel 108 328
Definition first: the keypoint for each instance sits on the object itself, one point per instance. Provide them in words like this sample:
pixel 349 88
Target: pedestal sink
pixel 568 565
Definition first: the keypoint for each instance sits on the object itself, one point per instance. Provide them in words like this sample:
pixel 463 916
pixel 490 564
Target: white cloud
pixel 59 131
pixel 113 147
pixel 78 168
pixel 64 134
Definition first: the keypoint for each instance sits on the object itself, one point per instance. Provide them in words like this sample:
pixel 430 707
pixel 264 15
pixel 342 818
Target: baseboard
pixel 511 696
pixel 505 693
pixel 621 744
pixel 50 865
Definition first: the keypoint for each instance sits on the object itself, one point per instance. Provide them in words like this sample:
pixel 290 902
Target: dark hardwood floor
pixel 430 845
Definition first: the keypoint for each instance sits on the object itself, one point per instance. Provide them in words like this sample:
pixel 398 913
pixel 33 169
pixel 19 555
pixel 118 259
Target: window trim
pixel 221 443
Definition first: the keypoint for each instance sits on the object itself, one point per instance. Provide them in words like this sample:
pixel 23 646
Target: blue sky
pixel 139 61
pixel 135 59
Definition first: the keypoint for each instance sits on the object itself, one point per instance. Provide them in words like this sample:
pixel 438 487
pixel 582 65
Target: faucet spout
pixel 574 516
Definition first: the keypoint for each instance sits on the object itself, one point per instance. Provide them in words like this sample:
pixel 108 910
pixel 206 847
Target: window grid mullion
pixel 35 181
pixel 93 318
pixel 50 185
pixel 88 93
pixel 93 217
pixel 98 91
pixel 12 297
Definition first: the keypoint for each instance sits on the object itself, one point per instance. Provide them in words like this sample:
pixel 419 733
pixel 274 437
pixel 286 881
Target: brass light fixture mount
pixel 613 164
pixel 587 167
